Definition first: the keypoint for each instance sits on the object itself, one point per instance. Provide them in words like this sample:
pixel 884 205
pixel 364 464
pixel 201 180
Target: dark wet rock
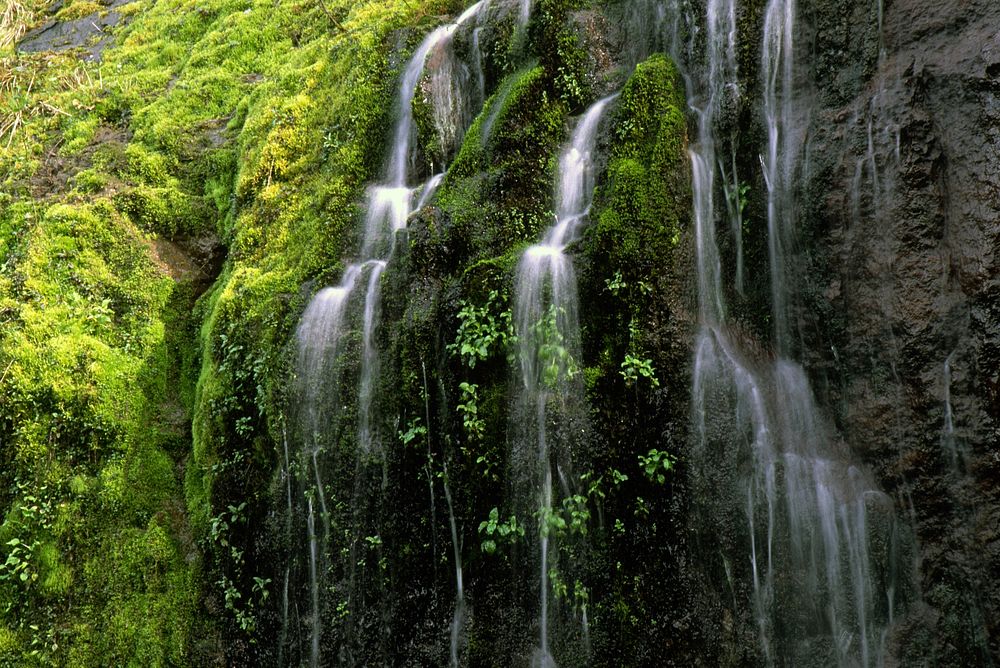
pixel 197 260
pixel 897 269
pixel 89 32
pixel 901 264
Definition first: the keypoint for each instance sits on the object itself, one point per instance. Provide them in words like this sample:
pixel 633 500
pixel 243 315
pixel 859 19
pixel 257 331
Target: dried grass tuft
pixel 14 21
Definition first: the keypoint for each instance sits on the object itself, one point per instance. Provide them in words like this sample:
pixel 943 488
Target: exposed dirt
pixel 54 175
pixel 197 260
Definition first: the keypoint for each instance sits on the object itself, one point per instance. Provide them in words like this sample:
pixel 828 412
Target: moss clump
pixel 151 594
pixel 78 9
pixel 498 193
pixel 84 360
pixel 639 208
pixel 559 50
pixel 639 214
pixel 633 280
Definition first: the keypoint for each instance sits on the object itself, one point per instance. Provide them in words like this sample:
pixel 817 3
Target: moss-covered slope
pixel 167 211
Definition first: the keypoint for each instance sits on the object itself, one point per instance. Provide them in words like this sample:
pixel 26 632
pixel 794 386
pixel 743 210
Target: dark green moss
pixel 633 279
pixel 498 194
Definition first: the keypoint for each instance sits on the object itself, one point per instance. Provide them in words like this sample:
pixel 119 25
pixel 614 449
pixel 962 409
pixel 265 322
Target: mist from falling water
pixel 812 513
pixel 548 344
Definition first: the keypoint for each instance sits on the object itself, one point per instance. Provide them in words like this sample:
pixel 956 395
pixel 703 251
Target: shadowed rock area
pixel 900 308
pixel 89 32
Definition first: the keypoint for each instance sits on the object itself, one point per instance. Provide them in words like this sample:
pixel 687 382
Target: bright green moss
pixel 637 219
pixel 56 576
pixel 78 9
pixel 650 112
pixel 638 209
pixel 165 211
pixel 146 167
pixel 151 598
pixel 78 133
pixel 82 347
pixel 9 644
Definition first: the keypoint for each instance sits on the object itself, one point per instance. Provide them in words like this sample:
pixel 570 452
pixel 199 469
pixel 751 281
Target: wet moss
pixel 152 408
pixel 640 209
pixel 634 280
pixel 498 194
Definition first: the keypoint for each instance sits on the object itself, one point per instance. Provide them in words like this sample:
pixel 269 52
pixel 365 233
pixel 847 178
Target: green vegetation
pixel 99 562
pixel 639 216
pixel 480 330
pixel 494 529
pixel 251 125
pixel 165 215
pixel 634 325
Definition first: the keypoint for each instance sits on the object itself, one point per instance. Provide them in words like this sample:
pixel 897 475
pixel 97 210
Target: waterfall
pixel 949 426
pixel 812 512
pixel 327 333
pixel 369 358
pixel 458 618
pixel 777 65
pixel 548 346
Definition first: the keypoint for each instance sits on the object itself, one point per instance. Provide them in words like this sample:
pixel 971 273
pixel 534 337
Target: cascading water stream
pixel 812 513
pixel 369 357
pixel 320 335
pixel 548 341
pixel 457 619
pixel 779 161
pixel 525 12
pixel 949 440
pixel 325 325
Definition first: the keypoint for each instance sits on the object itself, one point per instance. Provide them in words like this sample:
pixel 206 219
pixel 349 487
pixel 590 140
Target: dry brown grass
pixel 14 21
pixel 15 104
pixel 20 96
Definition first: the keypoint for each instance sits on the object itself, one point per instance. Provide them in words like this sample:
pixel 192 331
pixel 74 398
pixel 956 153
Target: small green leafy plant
pixel 469 408
pixel 480 330
pixel 493 530
pixel 656 465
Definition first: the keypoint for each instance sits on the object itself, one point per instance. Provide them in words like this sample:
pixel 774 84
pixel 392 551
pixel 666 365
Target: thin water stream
pixel 548 334
pixel 327 326
pixel 814 515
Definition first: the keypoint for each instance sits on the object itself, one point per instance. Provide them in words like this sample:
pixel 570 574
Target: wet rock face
pixel 900 303
pixel 89 32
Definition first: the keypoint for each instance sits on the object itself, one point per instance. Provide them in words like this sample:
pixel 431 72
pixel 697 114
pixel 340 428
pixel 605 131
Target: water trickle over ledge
pixel 338 374
pixel 820 538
